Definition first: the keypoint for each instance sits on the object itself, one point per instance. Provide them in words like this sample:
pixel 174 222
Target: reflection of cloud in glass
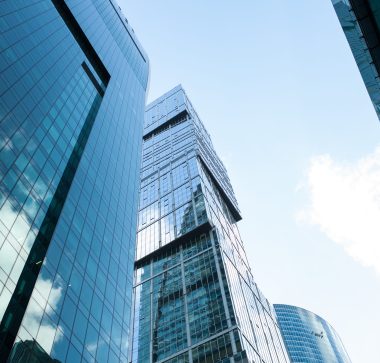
pixel 7 214
pixel 40 187
pixel 46 329
pixel 17 223
pixel 5 297
pixel 92 347
pixel 167 229
pixel 10 262
pixel 6 142
pixel 20 228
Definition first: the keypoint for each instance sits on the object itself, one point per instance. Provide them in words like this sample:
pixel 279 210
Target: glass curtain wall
pixel 73 79
pixel 195 299
pixel 308 337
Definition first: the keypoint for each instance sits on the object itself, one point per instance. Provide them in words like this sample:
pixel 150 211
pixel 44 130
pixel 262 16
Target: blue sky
pixel 278 89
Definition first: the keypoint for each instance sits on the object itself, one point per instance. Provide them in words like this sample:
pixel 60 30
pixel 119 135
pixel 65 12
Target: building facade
pixel 73 80
pixel 360 20
pixel 308 337
pixel 195 299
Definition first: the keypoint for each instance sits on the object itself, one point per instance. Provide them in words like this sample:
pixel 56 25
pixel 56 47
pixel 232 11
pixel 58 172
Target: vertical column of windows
pixel 142 323
pixel 169 324
pixel 205 303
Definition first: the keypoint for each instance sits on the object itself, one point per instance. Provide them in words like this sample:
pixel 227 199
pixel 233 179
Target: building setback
pixel 73 79
pixel 195 299
pixel 360 20
pixel 308 337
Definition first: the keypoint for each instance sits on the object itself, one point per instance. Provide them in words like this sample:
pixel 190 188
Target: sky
pixel 277 87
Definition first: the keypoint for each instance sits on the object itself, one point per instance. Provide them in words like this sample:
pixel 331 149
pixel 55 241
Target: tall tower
pixel 308 337
pixel 73 79
pixel 360 20
pixel 195 299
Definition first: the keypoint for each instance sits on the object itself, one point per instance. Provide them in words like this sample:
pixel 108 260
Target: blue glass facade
pixel 308 337
pixel 195 299
pixel 73 79
pixel 360 20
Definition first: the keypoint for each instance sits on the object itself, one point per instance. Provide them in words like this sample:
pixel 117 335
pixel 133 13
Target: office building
pixel 73 79
pixel 308 337
pixel 360 20
pixel 195 299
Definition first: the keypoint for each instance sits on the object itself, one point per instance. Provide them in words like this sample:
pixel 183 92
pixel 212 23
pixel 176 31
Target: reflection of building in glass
pixel 360 20
pixel 195 298
pixel 308 337
pixel 31 352
pixel 73 83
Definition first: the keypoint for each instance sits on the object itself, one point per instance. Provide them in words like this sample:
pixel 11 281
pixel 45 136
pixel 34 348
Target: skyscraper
pixel 73 79
pixel 308 337
pixel 195 299
pixel 360 20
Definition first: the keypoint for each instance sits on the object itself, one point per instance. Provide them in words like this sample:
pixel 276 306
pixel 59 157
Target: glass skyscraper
pixel 73 79
pixel 195 299
pixel 308 337
pixel 360 20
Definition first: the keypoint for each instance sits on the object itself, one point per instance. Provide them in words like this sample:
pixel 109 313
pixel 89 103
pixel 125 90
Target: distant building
pixel 308 337
pixel 195 299
pixel 360 20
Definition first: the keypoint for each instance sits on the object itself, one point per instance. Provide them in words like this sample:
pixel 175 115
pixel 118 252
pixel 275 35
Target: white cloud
pixel 345 204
